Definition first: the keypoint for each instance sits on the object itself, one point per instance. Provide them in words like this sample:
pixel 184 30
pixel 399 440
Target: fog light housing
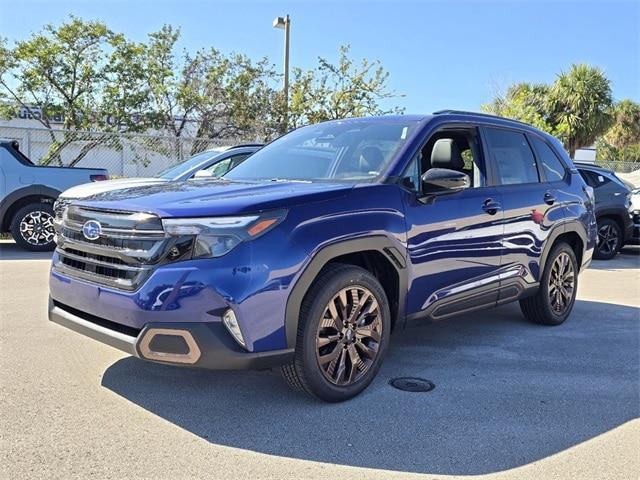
pixel 229 320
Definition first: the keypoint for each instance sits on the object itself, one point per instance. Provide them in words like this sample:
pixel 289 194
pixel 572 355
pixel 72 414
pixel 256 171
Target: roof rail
pixel 477 114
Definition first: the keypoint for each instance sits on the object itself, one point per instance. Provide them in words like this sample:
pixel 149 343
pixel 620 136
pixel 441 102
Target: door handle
pixel 549 199
pixel 491 206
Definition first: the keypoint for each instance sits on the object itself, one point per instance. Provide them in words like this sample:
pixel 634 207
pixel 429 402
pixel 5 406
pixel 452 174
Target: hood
pixel 92 188
pixel 215 197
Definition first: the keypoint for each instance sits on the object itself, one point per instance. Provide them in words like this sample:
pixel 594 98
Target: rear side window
pixel 589 178
pixel 593 179
pixel 552 166
pixel 511 156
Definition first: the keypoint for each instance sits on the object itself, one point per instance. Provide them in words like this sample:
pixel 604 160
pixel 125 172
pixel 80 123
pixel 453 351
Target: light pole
pixel 285 24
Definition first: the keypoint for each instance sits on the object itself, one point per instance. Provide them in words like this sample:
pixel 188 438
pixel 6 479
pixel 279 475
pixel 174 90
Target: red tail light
pixel 97 178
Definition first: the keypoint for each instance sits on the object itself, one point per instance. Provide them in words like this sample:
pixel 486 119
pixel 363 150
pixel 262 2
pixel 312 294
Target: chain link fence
pixel 123 155
pixel 620 166
pixel 139 155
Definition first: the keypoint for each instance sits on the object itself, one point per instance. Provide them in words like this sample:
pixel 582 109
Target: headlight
pixel 217 236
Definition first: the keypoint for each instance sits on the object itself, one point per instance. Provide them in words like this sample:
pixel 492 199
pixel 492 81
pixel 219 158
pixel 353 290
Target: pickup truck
pixel 27 194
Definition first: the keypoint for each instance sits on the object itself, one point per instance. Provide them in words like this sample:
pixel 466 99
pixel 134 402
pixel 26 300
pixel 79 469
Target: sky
pixel 439 54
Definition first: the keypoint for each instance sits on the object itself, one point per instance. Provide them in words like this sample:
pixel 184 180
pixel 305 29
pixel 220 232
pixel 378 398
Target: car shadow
pixel 507 393
pixel 10 251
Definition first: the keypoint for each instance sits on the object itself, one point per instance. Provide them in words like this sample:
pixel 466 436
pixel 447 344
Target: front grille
pixel 636 218
pixel 116 243
pixel 128 248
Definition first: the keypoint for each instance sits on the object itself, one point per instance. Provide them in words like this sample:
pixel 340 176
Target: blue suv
pixel 307 255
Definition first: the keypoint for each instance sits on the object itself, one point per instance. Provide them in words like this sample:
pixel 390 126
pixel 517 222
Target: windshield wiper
pixel 276 179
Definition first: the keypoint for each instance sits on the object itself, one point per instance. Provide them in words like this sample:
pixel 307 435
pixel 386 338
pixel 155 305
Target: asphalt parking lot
pixel 512 400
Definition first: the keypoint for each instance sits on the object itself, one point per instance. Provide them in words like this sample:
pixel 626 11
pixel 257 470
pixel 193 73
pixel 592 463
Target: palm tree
pixel 580 102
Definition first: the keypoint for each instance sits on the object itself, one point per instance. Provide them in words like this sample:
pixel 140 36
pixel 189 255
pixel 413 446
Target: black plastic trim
pixel 480 298
pixel 218 350
pixel 9 201
pixel 325 255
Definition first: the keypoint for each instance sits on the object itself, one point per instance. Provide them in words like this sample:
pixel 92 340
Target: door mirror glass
pixel 443 180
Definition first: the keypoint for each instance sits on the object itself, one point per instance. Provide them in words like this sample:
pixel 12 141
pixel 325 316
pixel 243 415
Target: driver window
pixel 457 150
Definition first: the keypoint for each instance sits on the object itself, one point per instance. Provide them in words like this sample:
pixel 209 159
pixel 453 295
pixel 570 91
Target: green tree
pixel 580 101
pixel 576 107
pixel 234 95
pixel 333 91
pixel 225 96
pixel 625 129
pixel 81 72
pixel 622 141
pixel 526 102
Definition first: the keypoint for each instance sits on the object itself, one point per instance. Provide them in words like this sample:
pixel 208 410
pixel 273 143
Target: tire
pixel 344 376
pixel 543 307
pixel 609 239
pixel 32 227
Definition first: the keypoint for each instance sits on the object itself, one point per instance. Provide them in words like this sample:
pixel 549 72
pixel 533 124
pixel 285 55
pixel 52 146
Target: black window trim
pixel 492 168
pixel 536 154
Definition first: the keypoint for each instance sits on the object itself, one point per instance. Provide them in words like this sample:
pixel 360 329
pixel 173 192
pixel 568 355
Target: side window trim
pixel 491 176
pixel 543 176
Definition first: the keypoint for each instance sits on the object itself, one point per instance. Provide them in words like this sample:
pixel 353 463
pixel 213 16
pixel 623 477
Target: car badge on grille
pixel 92 230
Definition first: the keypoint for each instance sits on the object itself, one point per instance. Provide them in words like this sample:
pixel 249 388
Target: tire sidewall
pixel 15 227
pixel 608 256
pixel 319 385
pixel 554 318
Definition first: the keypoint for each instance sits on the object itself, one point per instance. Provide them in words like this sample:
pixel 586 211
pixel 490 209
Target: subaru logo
pixel 92 230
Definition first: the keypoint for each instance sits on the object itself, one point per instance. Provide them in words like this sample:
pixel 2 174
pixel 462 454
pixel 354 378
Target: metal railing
pixel 126 155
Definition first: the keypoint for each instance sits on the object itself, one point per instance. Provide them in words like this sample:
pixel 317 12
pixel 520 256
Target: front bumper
pixel 194 344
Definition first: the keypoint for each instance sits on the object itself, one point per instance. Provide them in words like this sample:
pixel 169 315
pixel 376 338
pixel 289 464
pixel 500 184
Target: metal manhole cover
pixel 412 384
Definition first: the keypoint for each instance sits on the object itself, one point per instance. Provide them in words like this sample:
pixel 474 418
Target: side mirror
pixel 443 180
pixel 203 174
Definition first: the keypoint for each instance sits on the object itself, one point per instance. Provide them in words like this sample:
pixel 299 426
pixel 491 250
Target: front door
pixel 453 239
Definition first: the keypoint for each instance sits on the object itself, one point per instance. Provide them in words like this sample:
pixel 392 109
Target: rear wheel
pixel 556 295
pixel 342 335
pixel 32 227
pixel 609 239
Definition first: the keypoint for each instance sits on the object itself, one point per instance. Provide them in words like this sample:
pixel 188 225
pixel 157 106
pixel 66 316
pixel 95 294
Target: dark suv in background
pixel 613 209
pixel 309 253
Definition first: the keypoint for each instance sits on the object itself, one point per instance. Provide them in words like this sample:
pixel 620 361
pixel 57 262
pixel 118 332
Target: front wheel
pixel 556 295
pixel 32 227
pixel 343 332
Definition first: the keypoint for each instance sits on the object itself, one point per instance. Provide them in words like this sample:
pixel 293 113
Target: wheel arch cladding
pixel 24 196
pixel 571 235
pixel 377 254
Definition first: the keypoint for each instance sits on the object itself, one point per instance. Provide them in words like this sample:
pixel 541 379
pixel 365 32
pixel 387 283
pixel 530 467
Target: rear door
pixel 531 207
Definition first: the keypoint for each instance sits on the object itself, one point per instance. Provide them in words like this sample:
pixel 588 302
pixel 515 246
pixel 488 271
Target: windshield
pixel 175 171
pixel 357 151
